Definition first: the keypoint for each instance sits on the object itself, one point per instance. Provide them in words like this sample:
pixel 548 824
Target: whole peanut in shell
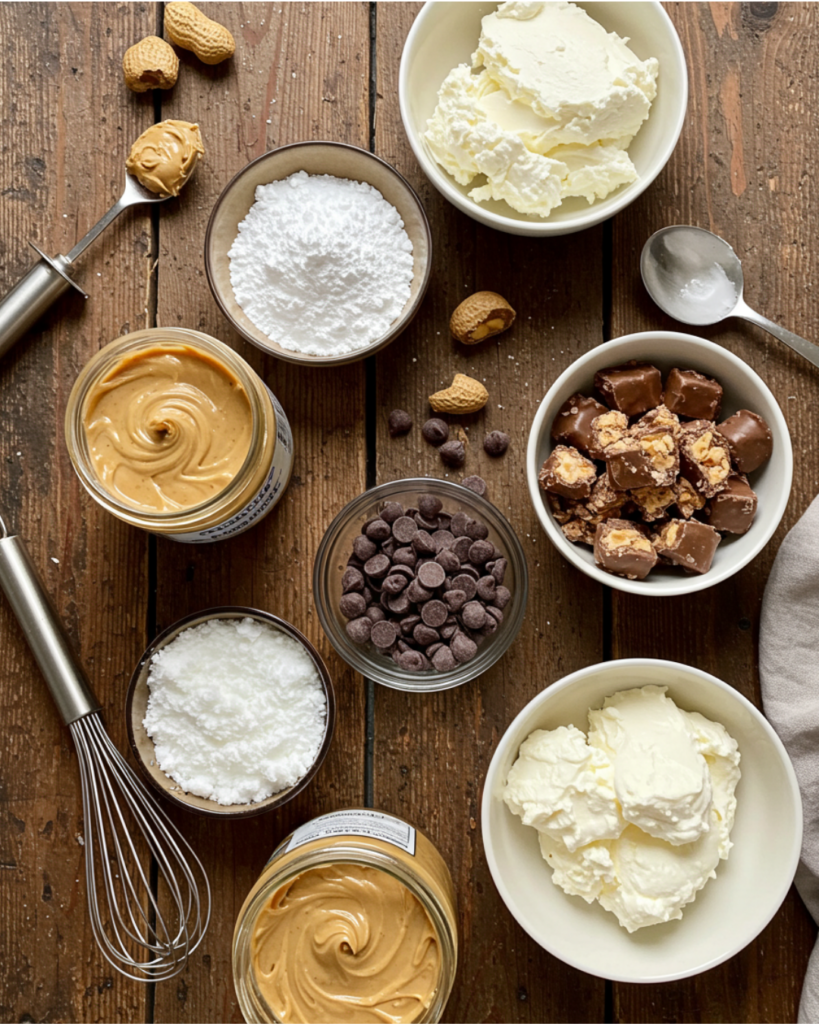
pixel 188 27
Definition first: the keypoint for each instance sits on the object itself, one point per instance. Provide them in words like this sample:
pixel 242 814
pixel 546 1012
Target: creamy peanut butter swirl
pixel 167 428
pixel 346 943
pixel 164 156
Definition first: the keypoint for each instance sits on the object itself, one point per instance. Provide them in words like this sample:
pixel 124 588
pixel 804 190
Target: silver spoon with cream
pixel 696 277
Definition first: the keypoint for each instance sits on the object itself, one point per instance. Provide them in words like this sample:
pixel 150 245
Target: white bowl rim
pixel 540 228
pixel 686 584
pixel 565 683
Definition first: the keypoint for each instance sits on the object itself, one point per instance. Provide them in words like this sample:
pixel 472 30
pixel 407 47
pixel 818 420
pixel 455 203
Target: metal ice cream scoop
pixel 696 277
pixel 29 299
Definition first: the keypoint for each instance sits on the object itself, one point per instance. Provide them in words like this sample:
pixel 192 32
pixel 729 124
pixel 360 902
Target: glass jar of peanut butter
pixel 172 431
pixel 353 920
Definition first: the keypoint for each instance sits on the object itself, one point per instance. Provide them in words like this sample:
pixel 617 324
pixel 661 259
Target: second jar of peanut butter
pixel 172 431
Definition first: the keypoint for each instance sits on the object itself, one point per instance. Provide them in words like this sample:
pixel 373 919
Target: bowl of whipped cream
pixel 622 814
pixel 542 118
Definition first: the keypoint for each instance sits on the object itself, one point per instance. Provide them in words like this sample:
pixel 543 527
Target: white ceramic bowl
pixel 743 389
pixel 446 34
pixel 728 913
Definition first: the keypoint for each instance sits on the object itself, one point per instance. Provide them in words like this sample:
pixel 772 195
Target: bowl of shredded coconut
pixel 318 253
pixel 230 712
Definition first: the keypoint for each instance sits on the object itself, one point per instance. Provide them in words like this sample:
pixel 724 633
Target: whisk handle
pixel 44 632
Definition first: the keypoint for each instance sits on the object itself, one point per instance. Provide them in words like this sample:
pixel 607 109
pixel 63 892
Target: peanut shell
pixel 464 395
pixel 480 316
pixel 150 64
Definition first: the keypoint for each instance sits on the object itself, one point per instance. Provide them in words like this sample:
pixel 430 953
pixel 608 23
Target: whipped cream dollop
pixel 550 111
pixel 637 816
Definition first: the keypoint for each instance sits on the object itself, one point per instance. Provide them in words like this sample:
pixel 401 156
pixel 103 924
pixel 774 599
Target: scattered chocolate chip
pixel 496 443
pixel 453 454
pixel 400 422
pixel 435 432
pixel 409 623
pixel 424 523
pixel 423 544
pixel 430 651
pixel 475 483
pixel 442 539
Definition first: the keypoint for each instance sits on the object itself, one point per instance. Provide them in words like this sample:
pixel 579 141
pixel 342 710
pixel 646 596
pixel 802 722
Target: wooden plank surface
pixel 740 169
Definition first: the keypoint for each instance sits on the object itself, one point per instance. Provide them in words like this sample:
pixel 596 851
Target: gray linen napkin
pixel 789 675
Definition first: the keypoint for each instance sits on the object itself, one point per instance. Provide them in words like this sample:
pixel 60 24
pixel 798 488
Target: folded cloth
pixel 789 676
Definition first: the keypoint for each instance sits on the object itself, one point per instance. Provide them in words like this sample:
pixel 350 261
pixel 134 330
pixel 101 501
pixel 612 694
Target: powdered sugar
pixel 236 710
pixel 322 265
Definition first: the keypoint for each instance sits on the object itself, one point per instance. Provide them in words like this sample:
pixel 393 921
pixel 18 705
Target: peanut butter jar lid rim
pixel 101 363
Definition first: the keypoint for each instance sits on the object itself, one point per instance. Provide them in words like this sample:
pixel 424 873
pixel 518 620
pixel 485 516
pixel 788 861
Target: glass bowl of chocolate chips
pixel 420 584
pixel 659 463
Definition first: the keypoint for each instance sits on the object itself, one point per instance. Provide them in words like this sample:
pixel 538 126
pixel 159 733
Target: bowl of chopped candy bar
pixel 659 463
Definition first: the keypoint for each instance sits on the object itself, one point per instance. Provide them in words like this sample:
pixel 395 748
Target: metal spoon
pixel 33 294
pixel 696 277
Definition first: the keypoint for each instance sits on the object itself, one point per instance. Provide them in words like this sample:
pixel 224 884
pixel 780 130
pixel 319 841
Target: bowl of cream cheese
pixel 622 814
pixel 542 118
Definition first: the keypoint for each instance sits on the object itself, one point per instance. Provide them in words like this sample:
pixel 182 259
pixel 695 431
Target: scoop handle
pixel 44 632
pixel 805 348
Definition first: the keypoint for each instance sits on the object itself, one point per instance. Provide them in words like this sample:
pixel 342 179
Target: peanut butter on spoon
pixel 164 156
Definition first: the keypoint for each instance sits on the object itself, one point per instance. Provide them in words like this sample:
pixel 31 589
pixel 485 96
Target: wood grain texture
pixel 304 69
pixel 67 123
pixel 432 750
pixel 739 170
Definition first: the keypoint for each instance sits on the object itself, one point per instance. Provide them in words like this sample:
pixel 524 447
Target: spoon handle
pixel 804 347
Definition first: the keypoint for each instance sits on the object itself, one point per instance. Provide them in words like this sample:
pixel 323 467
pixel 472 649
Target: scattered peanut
pixel 188 27
pixel 150 64
pixel 481 316
pixel 464 395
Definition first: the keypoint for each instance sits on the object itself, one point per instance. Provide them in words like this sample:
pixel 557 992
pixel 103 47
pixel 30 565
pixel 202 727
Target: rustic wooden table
pixel 743 168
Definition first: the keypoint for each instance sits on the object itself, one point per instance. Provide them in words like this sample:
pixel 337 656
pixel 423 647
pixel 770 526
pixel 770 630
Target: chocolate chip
pixel 442 539
pixel 429 506
pixel 374 585
pixel 426 524
pixel 476 530
pixel 466 584
pixel 423 544
pixel 352 605
pixel 430 651
pixel 375 613
pixel 480 552
pixel 444 659
pixel 369 523
pixel 434 613
pixel 453 454
pixel 494 613
pixel 409 623
pixel 400 422
pixel 473 614
pixel 459 523
pixel 411 661
pixel 352 579
pixel 490 626
pixel 475 483
pixel 496 443
pixel 364 548
pixel 435 432
pixel 463 649
pixel 378 566
pixel 379 530
pixel 402 570
pixel 404 556
pixel 455 600
pixel 425 635
pixel 399 603
pixel 396 582
pixel 461 548
pixel 431 575
pixel 404 529
pixel 471 571
pixel 502 598
pixel 448 561
pixel 383 633
pixel 359 630
pixel 486 588
pixel 391 511
pixel 417 593
pixel 499 569
pixel 389 546
pixel 447 632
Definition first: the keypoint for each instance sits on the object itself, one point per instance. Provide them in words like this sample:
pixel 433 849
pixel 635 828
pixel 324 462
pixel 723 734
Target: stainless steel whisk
pixel 136 935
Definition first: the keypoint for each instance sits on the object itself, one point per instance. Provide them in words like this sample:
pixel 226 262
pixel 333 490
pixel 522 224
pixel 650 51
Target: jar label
pixel 267 495
pixel 368 824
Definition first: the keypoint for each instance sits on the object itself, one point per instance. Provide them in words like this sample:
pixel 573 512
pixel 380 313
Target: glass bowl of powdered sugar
pixel 230 712
pixel 318 253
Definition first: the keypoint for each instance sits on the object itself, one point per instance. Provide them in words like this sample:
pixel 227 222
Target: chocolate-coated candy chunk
pixel 693 395
pixel 453 454
pixel 607 428
pixel 400 422
pixel 734 508
pixel 579 532
pixel 632 388
pixel 704 459
pixel 435 432
pixel 621 547
pixel 629 466
pixel 688 498
pixel 495 443
pixel 659 419
pixel 749 440
pixel 604 501
pixel 688 543
pixel 568 473
pixel 654 502
pixel 573 424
